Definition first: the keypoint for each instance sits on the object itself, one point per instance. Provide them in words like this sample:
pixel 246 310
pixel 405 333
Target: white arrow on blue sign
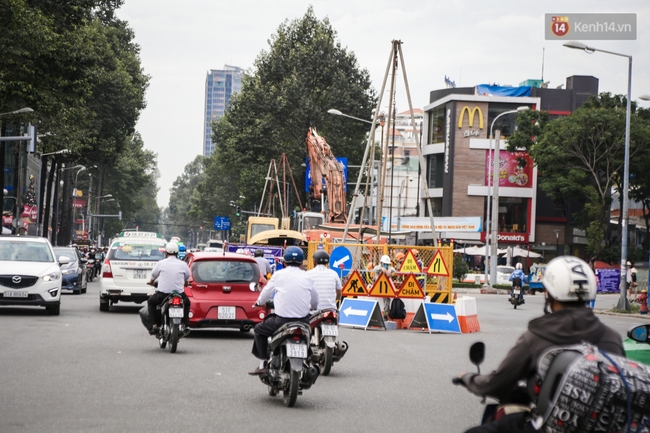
pixel 441 317
pixel 221 223
pixel 341 261
pixel 356 312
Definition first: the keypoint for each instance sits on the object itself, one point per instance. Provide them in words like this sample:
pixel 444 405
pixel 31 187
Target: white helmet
pixel 569 279
pixel 385 259
pixel 171 248
pixel 518 266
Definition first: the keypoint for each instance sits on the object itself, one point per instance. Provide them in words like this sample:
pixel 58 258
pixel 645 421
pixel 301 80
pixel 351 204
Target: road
pixel 87 371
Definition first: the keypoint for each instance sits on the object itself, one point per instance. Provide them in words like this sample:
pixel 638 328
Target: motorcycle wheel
pixel 162 340
pixel 327 361
pixel 290 393
pixel 173 339
pixel 516 301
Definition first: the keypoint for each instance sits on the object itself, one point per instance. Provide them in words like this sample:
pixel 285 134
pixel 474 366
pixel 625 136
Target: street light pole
pixel 41 205
pixel 557 242
pixel 399 200
pixel 623 303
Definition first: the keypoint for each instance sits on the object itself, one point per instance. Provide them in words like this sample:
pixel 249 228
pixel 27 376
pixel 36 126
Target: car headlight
pixel 68 271
pixel 52 277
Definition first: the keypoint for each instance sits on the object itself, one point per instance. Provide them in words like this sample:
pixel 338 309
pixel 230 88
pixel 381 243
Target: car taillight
pixel 176 301
pixel 107 271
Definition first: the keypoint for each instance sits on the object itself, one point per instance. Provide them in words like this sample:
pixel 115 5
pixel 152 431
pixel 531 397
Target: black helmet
pixel 321 257
pixel 259 253
pixel 293 256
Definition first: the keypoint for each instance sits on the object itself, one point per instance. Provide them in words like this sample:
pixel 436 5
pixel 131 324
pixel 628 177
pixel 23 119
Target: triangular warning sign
pixel 383 287
pixel 354 286
pixel 438 266
pixel 411 288
pixel 410 264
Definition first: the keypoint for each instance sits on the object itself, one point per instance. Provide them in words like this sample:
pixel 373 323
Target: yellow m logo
pixel 471 113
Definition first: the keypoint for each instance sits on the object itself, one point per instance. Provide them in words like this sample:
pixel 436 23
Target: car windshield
pixel 67 252
pixel 505 270
pixel 136 250
pixel 224 271
pixel 25 252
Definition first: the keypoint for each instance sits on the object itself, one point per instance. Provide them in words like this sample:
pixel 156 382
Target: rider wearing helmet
pixel 569 284
pixel 181 251
pixel 172 275
pixel 294 295
pixel 264 265
pixel 518 273
pixel 327 281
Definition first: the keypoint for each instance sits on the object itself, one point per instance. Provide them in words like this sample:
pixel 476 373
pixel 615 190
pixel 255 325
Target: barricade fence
pixel 431 268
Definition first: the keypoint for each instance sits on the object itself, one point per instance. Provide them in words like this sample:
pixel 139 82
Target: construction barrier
pixel 467 314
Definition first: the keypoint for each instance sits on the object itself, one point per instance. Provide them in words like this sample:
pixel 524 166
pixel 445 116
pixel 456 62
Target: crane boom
pixel 323 164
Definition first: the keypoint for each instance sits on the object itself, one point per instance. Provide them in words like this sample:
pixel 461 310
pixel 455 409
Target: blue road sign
pixel 356 312
pixel 221 223
pixel 441 317
pixel 341 256
pixel 342 160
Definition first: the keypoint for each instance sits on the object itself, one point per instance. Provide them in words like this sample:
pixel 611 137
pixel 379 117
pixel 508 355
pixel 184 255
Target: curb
pixel 611 313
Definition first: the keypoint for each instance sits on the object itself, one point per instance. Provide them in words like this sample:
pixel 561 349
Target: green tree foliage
pixel 460 267
pixel 181 197
pixel 304 73
pixel 581 156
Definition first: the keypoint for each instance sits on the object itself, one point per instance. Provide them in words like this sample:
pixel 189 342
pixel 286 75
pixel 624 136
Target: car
pixel 223 288
pixel 503 274
pixel 30 273
pixel 75 277
pixel 127 268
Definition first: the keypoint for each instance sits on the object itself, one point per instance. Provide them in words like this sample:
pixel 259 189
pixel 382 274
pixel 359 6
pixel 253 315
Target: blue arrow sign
pixel 341 256
pixel 221 223
pixel 441 317
pixel 356 312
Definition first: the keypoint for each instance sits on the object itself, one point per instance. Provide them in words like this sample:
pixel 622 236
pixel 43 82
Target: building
pixel 220 84
pixel 456 147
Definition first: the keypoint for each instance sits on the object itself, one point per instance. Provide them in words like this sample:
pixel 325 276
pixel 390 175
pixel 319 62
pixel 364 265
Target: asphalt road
pixel 87 371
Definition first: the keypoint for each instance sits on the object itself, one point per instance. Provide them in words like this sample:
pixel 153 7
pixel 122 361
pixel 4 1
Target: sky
pixel 470 41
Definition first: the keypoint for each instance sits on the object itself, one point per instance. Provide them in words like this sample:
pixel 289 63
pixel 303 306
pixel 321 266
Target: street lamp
pixel 623 303
pixel 399 200
pixel 336 112
pixel 557 242
pixel 491 237
pixel 22 110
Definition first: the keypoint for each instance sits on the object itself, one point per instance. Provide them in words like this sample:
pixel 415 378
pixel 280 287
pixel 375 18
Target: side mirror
pixel 63 260
pixel 83 261
pixel 639 333
pixel 477 354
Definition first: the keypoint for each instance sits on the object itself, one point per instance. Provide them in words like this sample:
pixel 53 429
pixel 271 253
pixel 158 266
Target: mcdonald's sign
pixel 472 114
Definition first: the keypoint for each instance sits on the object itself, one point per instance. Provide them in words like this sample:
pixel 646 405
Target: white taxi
pixel 127 268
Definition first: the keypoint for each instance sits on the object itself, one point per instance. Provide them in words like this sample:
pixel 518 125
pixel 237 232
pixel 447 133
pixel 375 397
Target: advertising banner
pixel 608 280
pixel 515 169
pixel 445 224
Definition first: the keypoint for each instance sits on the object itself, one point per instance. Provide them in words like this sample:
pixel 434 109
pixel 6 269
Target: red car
pixel 223 288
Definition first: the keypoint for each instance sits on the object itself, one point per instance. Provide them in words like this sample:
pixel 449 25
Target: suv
pixel 127 268
pixel 30 274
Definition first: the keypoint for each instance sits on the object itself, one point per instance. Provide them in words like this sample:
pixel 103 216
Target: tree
pixel 581 156
pixel 181 197
pixel 304 73
pixel 460 268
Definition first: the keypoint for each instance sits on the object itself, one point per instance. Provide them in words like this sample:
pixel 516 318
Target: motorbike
pixel 325 349
pixel 91 271
pixel 515 295
pixel 288 369
pixel 172 313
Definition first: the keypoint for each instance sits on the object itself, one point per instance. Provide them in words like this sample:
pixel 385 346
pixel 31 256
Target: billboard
pixel 515 169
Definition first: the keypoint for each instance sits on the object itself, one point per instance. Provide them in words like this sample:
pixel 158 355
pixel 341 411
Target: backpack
pixel 397 309
pixel 582 389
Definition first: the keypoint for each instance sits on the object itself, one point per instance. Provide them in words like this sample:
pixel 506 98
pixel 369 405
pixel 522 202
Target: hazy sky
pixel 470 41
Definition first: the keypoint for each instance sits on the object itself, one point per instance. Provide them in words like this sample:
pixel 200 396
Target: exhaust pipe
pixel 339 350
pixel 309 377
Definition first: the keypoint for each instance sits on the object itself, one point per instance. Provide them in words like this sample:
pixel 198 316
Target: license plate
pixel 329 330
pixel 297 350
pixel 516 292
pixel 15 294
pixel 139 274
pixel 226 313
pixel 175 312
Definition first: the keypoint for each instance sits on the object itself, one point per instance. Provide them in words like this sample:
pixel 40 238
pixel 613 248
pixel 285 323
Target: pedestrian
pixel 631 281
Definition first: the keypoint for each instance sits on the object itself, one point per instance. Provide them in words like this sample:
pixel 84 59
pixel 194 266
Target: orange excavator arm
pixel 322 163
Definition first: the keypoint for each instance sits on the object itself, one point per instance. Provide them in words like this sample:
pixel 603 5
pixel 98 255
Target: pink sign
pixel 515 169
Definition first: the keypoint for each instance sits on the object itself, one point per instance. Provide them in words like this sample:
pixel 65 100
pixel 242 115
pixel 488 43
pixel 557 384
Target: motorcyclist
pixel 294 294
pixel 172 275
pixel 518 273
pixel 181 251
pixel 568 282
pixel 327 281
pixel 264 265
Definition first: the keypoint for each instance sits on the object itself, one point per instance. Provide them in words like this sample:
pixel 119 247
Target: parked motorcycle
pixel 288 367
pixel 171 329
pixel 325 349
pixel 515 294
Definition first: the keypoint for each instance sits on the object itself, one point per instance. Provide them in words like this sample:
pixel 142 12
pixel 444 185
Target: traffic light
pixel 238 211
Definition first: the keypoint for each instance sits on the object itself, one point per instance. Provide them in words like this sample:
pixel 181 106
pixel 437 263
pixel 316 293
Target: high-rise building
pixel 220 84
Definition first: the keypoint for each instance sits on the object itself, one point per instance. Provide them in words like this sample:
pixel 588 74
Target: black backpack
pixel 397 309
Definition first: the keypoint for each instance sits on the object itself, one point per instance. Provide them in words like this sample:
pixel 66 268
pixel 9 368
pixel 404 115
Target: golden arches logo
pixel 472 114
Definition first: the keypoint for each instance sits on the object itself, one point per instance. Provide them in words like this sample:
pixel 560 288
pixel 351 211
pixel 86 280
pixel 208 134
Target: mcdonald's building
pixel 456 147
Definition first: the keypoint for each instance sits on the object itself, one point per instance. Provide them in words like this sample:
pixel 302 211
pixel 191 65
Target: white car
pixel 127 268
pixel 30 274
